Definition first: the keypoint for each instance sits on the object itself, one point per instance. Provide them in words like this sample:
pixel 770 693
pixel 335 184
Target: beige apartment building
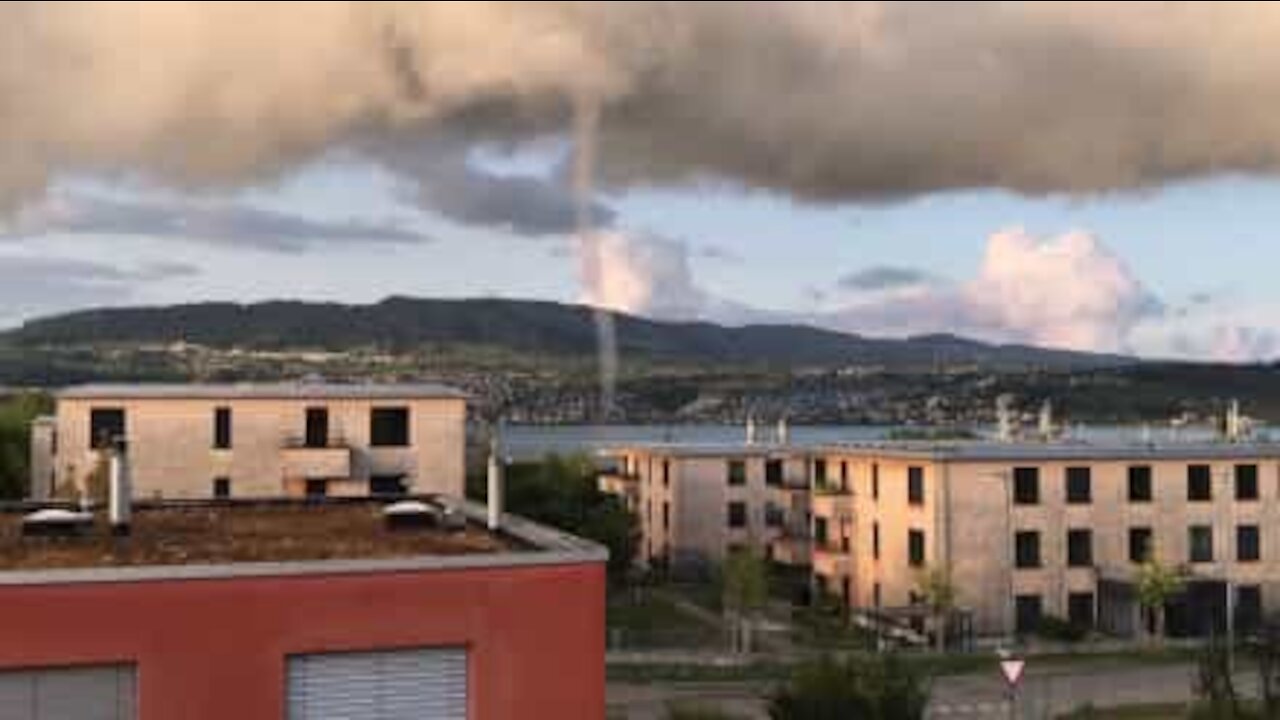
pixel 1023 530
pixel 256 440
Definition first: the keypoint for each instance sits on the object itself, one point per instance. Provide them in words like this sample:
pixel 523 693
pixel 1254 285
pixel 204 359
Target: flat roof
pixel 219 538
pixel 971 450
pixel 273 391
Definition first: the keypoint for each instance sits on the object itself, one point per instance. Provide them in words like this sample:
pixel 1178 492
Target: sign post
pixel 1011 668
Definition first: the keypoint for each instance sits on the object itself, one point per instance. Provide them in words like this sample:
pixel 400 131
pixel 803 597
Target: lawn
pixel 649 620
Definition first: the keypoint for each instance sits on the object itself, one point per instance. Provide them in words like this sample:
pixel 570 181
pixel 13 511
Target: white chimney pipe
pixel 784 435
pixel 751 430
pixel 496 488
pixel 120 501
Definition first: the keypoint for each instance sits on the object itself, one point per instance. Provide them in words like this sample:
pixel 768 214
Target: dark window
pixel 1026 549
pixel 1248 544
pixel 915 548
pixel 1139 544
pixel 875 594
pixel 666 473
pixel 1079 485
pixel 1026 485
pixel 666 515
pixel 1079 548
pixel 386 485
pixel 875 540
pixel 1080 609
pixel 1139 483
pixel 317 488
pixel 222 487
pixel 845 545
pixel 774 516
pixel 915 485
pixel 106 427
pixel 1029 612
pixel 773 473
pixel 737 472
pixel 844 474
pixel 1248 608
pixel 1200 544
pixel 1246 482
pixel 875 481
pixel 317 427
pixel 820 472
pixel 1199 483
pixel 820 531
pixel 389 427
pixel 222 428
pixel 737 514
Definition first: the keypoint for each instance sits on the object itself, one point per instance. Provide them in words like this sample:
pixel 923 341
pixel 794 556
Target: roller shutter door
pixel 105 692
pixel 417 684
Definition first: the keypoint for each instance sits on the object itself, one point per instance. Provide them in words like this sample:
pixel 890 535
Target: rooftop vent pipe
pixel 751 430
pixel 119 504
pixel 495 478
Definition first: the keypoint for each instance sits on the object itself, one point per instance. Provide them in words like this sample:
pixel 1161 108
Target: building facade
pixel 1020 530
pixel 198 441
pixel 486 635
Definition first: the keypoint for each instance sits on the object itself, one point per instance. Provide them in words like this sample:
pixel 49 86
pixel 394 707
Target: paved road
pixel 1042 694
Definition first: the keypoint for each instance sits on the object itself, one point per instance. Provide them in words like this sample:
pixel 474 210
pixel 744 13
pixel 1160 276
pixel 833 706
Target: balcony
pixel 835 505
pixel 792 549
pixel 302 461
pixel 830 560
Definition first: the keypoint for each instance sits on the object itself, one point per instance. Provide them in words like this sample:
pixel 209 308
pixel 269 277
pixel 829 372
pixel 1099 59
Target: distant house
pixel 256 440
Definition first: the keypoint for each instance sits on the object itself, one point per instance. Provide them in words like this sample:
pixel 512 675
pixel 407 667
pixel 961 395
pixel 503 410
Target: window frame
pixel 736 520
pixel 402 437
pixel 1073 476
pixel 1024 477
pixel 222 432
pixel 1033 560
pixel 1200 544
pixel 1074 560
pixel 1142 475
pixel 1197 481
pixel 915 485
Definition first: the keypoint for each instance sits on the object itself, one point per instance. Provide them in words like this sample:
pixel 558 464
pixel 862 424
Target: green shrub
pixel 1061 630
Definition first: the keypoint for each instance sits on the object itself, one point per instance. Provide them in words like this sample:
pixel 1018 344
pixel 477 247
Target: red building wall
pixel 215 649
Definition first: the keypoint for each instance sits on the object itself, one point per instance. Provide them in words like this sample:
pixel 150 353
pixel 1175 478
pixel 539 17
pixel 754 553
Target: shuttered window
pixel 101 692
pixel 417 684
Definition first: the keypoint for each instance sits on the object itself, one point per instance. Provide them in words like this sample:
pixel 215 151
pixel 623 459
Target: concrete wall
pixel 172 454
pixel 216 649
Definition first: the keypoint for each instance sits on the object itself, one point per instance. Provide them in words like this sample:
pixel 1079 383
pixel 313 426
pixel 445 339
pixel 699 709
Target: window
pixel 915 548
pixel 774 516
pixel 222 428
pixel 1199 483
pixel 666 473
pixel 1080 609
pixel 1248 608
pixel 1079 485
pixel 106 427
pixel 875 594
pixel 1026 545
pixel 845 544
pixel 773 473
pixel 1079 548
pixel 1139 483
pixel 820 531
pixel 666 515
pixel 1029 611
pixel 1246 482
pixel 915 485
pixel 104 692
pixel 875 481
pixel 737 472
pixel 386 485
pixel 844 474
pixel 317 427
pixel 737 514
pixel 875 540
pixel 389 427
pixel 317 489
pixel 1026 485
pixel 820 472
pixel 1248 544
pixel 222 487
pixel 1200 544
pixel 1139 544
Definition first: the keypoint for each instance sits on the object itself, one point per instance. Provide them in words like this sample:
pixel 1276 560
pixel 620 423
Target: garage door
pixel 417 684
pixel 105 692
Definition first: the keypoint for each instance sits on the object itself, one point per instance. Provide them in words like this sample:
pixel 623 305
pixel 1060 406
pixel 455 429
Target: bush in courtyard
pixel 871 687
pixel 1061 630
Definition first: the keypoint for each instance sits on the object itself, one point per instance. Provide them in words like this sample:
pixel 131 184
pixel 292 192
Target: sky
pixel 1098 177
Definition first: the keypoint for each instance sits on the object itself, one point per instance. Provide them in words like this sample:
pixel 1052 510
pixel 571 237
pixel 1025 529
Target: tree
pixel 1157 584
pixel 561 491
pixel 16 415
pixel 1215 687
pixel 746 590
pixel 939 595
pixel 870 687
